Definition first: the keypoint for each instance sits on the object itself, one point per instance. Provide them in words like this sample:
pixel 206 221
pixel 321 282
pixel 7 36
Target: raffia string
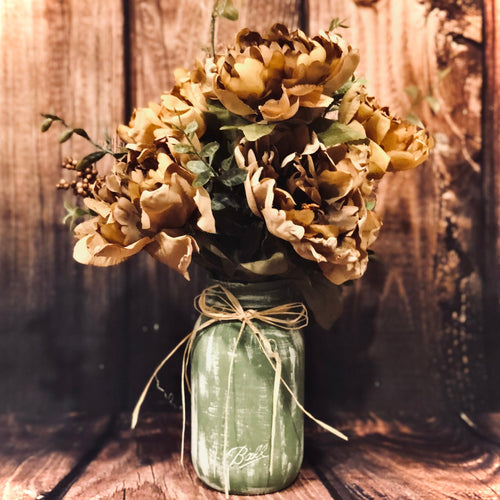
pixel 218 304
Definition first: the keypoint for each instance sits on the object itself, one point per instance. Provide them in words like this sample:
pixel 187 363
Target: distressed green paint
pixel 250 402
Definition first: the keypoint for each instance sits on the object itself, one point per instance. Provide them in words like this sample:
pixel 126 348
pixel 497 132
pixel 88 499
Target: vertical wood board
pixel 416 316
pixel 491 187
pixel 58 318
pixel 167 35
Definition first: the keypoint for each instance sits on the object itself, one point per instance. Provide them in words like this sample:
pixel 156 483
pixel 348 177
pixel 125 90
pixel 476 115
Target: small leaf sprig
pixel 85 168
pixel 223 171
pixel 337 23
pixel 417 97
pixel 221 8
pixel 68 133
pixel 202 166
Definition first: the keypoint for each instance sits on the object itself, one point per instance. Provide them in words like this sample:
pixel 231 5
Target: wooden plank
pixel 407 459
pixel 61 323
pixel 411 332
pixel 491 186
pixel 145 463
pixel 36 455
pixel 166 35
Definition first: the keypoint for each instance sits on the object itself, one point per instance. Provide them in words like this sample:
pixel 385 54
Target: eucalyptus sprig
pixel 74 213
pixel 69 131
pixel 221 8
pixel 417 97
pixel 202 166
pixel 337 23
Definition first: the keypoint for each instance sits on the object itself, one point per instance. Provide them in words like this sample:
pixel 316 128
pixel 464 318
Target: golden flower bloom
pixel 316 199
pixel 144 209
pixel 282 75
pixel 160 122
pixel 395 144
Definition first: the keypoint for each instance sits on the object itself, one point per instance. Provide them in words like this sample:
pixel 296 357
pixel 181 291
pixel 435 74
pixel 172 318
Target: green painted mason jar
pixel 235 446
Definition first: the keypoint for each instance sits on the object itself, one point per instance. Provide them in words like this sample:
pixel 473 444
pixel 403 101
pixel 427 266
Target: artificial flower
pixel 282 75
pixel 398 145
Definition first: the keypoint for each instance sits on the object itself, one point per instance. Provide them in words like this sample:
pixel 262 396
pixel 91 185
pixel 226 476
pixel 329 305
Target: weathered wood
pixel 167 35
pixel 61 323
pixel 399 459
pixel 408 459
pixel 411 335
pixel 37 455
pixel 84 338
pixel 145 463
pixel 491 186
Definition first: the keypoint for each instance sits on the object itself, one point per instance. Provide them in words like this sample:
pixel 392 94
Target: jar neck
pixel 260 295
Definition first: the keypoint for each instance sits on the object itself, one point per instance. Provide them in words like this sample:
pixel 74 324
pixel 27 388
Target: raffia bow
pixel 218 304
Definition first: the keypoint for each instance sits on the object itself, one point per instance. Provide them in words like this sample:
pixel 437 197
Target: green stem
pixel 212 33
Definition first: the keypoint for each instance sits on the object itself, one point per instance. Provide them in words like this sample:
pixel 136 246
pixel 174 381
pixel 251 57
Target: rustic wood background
pixel 420 331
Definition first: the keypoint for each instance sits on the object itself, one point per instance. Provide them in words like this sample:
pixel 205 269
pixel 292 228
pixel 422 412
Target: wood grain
pixel 166 35
pixel 413 324
pixel 491 188
pixel 396 459
pixel 60 322
pixel 413 330
pixel 145 464
pixel 36 455
pixel 408 459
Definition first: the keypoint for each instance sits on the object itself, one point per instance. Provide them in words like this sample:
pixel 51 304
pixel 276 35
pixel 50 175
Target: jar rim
pixel 261 294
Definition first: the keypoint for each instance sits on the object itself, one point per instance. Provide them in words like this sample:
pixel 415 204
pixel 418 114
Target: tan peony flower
pixel 282 75
pixel 144 210
pixel 316 200
pixel 159 123
pixel 395 144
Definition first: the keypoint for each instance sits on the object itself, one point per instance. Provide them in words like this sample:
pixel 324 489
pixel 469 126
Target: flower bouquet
pixel 260 165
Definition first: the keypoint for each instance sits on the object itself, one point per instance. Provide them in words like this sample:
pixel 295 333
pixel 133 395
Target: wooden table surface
pixel 102 459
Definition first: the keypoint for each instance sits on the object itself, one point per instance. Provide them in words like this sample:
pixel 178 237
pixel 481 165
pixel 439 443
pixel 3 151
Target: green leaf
pixel 414 119
pixel 433 103
pixel 338 133
pixel 220 201
pixel 323 298
pixel 66 135
pixel 183 148
pixel 46 124
pixel 413 92
pixel 217 205
pixel 370 204
pixel 227 163
pixel 342 90
pixel 52 117
pixel 225 8
pixel 233 177
pixel 73 213
pixel 191 127
pixel 252 131
pixel 82 133
pixel 337 23
pixel 89 160
pixel 209 150
pixel 198 167
pixel 202 179
pixel 223 115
